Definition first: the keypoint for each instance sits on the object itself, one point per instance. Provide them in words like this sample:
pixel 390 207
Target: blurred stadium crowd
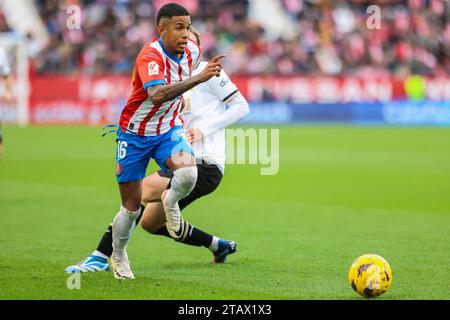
pixel 330 37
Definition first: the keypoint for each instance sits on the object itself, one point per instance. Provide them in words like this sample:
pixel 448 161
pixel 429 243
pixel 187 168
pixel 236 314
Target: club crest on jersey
pixel 153 68
pixel 118 168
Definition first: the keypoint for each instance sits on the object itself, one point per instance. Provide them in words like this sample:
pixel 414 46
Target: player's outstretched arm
pixel 237 109
pixel 161 93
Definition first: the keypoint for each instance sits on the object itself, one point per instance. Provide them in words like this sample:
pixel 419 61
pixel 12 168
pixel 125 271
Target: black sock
pixel 162 232
pixel 194 236
pixel 105 245
pixel 197 237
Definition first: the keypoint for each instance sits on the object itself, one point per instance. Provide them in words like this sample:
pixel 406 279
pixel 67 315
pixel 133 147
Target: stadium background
pixel 369 172
pixel 311 61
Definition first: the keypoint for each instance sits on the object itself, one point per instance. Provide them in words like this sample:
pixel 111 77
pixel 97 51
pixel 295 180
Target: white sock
pixel 122 229
pixel 214 246
pixel 181 185
pixel 99 254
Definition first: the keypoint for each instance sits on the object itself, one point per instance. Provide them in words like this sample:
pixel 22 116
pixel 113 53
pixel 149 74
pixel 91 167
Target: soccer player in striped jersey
pixel 209 109
pixel 150 127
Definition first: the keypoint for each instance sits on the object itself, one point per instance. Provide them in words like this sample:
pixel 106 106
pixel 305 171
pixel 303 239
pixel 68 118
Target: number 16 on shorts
pixel 121 154
pixel 121 149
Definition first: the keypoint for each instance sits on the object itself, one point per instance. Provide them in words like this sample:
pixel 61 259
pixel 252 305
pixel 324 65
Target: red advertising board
pixel 99 99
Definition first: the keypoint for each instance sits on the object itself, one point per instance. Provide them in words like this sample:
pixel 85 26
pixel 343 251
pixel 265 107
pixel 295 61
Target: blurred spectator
pixel 331 36
pixel 3 25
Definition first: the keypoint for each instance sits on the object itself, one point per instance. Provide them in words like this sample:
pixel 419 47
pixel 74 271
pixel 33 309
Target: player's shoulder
pixel 151 51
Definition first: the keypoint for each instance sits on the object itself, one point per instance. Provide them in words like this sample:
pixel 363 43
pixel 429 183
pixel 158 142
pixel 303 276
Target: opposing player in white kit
pixel 206 116
pixel 6 93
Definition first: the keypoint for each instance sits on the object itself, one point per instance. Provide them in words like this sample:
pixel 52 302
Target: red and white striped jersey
pixel 155 65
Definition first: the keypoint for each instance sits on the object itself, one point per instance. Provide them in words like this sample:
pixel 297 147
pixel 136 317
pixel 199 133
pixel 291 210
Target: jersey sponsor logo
pixel 224 82
pixel 153 68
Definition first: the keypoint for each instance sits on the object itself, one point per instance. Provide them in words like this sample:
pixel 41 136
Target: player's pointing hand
pixel 218 57
pixel 213 68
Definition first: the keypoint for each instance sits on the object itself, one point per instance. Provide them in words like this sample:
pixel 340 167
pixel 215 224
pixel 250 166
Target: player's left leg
pixel 132 157
pixel 98 260
pixel 183 181
pixel 152 186
pixel 176 153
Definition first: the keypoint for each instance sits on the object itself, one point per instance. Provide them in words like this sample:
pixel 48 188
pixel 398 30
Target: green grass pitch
pixel 341 192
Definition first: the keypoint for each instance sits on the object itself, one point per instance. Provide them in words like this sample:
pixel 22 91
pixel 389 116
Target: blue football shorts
pixel 134 152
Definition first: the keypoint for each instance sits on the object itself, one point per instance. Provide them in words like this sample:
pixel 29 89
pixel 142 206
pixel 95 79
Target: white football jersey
pixel 202 103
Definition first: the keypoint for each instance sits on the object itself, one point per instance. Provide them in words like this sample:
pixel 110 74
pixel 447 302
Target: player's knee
pixel 133 214
pixel 186 177
pixel 130 194
pixel 131 206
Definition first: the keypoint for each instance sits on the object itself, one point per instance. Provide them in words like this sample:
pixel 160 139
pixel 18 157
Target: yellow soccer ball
pixel 370 275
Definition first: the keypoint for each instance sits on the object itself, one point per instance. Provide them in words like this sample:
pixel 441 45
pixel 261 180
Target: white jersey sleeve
pixel 224 89
pixel 222 86
pixel 5 69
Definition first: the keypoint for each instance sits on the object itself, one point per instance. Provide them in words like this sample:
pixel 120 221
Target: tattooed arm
pixel 161 93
